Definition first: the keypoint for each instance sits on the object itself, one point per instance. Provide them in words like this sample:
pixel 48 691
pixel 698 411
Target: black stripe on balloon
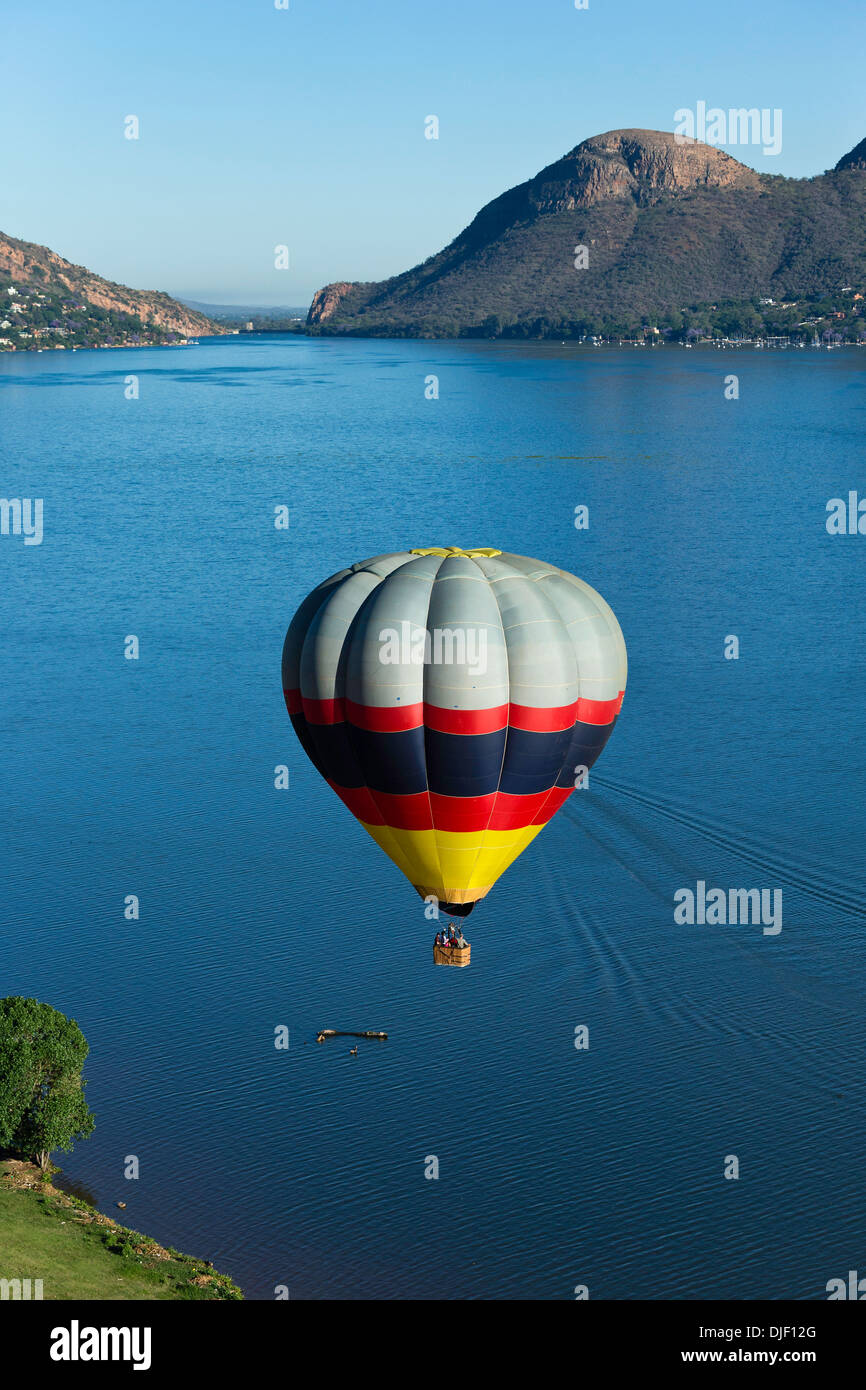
pixel 418 760
pixel 587 741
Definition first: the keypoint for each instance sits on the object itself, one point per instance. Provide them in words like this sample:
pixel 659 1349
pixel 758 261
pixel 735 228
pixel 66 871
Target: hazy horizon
pixel 231 301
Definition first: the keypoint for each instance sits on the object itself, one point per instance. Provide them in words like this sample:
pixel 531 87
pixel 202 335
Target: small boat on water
pixel 337 1033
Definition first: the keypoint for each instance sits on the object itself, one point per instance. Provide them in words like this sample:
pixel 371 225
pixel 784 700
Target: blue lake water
pixel 261 908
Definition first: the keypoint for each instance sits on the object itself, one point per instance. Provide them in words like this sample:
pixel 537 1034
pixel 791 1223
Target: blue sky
pixel 305 126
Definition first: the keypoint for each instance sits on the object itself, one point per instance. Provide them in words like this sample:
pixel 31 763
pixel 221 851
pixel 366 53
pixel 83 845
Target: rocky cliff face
pixel 26 263
pixel 643 165
pixel 327 301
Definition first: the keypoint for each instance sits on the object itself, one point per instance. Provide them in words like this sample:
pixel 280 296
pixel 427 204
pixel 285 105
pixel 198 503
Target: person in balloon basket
pixel 452 939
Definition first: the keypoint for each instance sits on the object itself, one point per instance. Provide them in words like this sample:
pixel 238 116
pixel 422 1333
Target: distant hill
pixel 666 227
pixel 237 313
pixel 46 301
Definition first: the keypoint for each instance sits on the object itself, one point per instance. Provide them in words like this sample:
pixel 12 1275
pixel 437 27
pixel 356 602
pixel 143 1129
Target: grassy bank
pixel 79 1253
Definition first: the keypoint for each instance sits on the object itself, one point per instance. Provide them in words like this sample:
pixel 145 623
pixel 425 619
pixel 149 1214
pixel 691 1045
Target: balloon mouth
pixel 456 909
pixel 448 552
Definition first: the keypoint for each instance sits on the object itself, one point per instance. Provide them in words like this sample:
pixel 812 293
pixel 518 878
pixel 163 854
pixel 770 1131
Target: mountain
pixel 46 301
pixel 666 226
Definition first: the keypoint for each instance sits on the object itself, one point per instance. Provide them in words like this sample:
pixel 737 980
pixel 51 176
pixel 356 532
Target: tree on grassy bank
pixel 42 1104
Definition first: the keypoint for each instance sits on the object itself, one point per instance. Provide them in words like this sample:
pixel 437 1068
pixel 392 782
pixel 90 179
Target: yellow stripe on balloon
pixel 455 866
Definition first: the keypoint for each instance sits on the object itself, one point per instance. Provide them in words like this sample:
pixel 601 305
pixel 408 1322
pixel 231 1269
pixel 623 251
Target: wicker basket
pixel 451 955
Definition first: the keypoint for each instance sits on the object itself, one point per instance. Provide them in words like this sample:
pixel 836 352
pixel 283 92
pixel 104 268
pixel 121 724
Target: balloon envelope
pixel 452 699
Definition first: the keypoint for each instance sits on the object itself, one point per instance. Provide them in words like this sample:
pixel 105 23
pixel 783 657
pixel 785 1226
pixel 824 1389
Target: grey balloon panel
pixel 550 637
pixel 404 597
pixel 464 616
pixel 515 564
pixel 299 627
pixel 597 646
pixel 383 565
pixel 323 674
pixel 610 619
pixel 542 669
pixel 379 566
pixel 603 668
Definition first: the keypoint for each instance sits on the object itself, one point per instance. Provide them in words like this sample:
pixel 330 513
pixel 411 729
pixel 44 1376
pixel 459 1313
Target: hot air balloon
pixel 453 699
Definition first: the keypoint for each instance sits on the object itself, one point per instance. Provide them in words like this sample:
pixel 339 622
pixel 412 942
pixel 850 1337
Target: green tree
pixel 491 327
pixel 42 1104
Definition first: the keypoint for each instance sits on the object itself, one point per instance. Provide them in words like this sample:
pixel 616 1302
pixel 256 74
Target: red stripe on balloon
pixel 392 719
pixel 383 808
pixel 458 814
pixel 399 718
pixel 542 721
pixel 465 721
pixel 461 813
pixel 324 711
pixel 405 812
pixel 518 812
pixel 360 802
pixel 381 719
pixel 598 711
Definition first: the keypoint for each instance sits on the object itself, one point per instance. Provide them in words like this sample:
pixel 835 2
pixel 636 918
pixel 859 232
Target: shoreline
pixel 716 344
pixel 113 347
pixel 64 1248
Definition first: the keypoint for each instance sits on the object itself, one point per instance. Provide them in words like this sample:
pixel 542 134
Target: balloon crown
pixel 449 550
